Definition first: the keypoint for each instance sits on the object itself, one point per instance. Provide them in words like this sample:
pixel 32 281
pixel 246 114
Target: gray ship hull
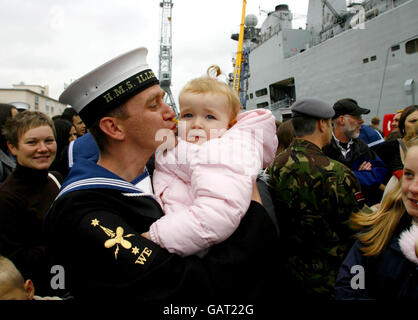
pixel 370 65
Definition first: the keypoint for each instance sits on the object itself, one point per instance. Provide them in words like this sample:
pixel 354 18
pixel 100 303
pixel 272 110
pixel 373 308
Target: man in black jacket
pixel 94 227
pixel 347 148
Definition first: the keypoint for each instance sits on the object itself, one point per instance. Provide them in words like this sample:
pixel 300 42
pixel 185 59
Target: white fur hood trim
pixel 407 241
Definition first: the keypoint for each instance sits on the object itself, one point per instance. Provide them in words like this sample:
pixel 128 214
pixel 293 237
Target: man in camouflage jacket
pixel 313 197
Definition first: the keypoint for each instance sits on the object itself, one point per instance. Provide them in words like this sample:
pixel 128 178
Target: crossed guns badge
pixel 117 238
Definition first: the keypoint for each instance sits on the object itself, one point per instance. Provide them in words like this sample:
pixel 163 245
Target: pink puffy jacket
pixel 206 189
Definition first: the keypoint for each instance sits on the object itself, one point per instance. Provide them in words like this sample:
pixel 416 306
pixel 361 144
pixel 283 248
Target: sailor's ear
pixel 29 289
pixel 112 128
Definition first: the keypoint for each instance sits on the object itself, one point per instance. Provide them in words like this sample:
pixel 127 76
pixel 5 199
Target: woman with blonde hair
pixel 383 262
pixel 392 152
pixel 410 133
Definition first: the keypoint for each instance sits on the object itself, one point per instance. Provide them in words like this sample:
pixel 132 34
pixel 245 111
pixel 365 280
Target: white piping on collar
pixel 138 194
pixel 70 154
pixel 99 181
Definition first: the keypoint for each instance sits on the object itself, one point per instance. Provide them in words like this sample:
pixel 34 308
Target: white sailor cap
pixel 20 105
pixel 108 86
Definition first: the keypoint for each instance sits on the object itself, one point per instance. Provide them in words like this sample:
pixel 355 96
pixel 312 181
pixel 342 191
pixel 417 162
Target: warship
pixel 365 50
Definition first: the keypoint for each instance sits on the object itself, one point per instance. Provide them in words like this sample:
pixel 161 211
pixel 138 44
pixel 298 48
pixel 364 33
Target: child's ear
pixel 231 123
pixel 29 289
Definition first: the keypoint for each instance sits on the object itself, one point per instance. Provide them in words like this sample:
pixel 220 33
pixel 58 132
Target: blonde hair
pixel 214 71
pixel 377 228
pixel 209 84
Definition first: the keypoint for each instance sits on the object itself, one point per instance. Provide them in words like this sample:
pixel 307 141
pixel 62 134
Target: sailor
pixel 313 196
pixel 94 227
pixel 21 106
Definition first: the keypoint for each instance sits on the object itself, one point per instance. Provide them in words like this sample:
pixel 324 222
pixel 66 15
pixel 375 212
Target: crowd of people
pixel 132 203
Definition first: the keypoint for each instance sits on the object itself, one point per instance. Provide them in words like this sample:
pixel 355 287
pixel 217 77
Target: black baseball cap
pixel 348 106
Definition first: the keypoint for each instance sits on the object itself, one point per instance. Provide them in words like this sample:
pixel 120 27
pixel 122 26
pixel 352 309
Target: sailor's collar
pixel 86 174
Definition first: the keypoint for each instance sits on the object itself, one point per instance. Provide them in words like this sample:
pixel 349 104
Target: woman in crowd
pixel 65 133
pixel 383 262
pixel 392 152
pixel 7 163
pixel 28 192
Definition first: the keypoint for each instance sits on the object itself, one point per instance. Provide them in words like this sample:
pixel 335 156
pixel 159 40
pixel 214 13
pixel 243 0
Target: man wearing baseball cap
pixel 94 227
pixel 347 148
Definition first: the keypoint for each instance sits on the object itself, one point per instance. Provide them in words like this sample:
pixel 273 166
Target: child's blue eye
pixel 408 175
pixel 209 116
pixel 187 115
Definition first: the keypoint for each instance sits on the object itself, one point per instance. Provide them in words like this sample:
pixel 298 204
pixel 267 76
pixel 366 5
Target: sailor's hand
pixel 256 195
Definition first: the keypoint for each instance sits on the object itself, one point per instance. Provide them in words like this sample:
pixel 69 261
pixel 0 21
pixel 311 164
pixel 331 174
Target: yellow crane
pixel 238 60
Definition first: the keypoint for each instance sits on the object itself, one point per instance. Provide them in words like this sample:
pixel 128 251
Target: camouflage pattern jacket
pixel 313 197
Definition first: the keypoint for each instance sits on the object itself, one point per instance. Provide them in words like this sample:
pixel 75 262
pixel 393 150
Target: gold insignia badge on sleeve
pixel 117 238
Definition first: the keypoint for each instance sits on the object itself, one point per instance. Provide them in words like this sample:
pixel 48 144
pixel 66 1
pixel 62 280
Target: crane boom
pixel 238 60
pixel 331 8
pixel 165 56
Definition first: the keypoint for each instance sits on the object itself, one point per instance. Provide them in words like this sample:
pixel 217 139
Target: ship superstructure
pixel 366 50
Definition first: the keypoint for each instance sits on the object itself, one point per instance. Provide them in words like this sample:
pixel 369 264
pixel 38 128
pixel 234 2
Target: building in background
pixel 35 96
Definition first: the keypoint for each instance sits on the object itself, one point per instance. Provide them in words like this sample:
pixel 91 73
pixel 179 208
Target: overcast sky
pixel 52 42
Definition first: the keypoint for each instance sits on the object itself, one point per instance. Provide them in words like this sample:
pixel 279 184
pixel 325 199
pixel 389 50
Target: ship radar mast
pixel 165 56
